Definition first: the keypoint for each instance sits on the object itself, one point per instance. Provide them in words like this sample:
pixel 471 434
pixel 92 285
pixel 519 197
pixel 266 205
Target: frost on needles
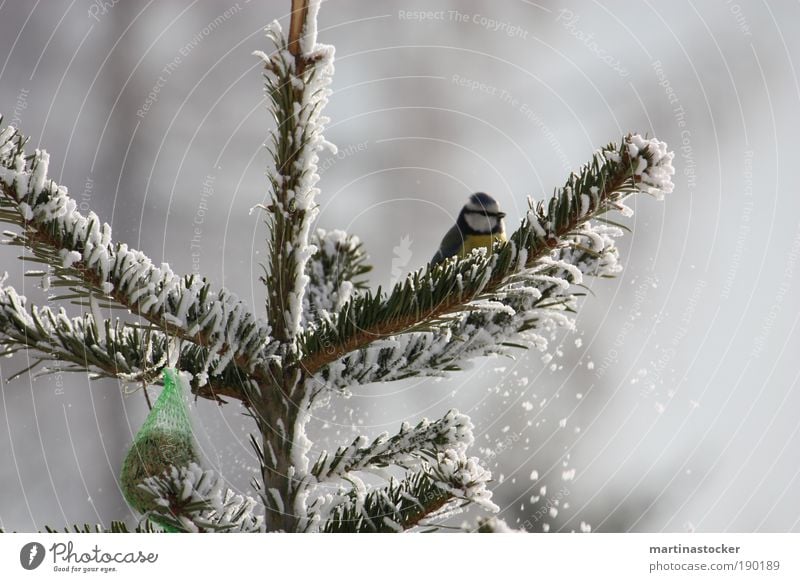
pixel 324 331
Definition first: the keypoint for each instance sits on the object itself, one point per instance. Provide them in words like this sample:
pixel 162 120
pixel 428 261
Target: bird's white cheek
pixel 481 222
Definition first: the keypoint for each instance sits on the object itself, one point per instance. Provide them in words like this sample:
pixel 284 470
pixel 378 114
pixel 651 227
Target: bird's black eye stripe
pixel 484 213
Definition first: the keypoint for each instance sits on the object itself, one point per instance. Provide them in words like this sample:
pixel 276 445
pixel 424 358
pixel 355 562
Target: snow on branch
pixel 190 499
pixel 334 272
pixel 112 349
pixel 439 488
pixel 297 80
pixel 82 254
pixel 406 448
pixel 429 295
pixel 526 314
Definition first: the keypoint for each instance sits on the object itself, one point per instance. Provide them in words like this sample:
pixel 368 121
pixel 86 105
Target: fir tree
pixel 324 331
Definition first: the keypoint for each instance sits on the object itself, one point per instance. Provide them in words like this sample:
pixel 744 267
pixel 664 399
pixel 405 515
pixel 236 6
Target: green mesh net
pixel 165 440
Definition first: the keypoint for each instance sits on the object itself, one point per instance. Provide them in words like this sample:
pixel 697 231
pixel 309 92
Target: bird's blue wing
pixel 451 245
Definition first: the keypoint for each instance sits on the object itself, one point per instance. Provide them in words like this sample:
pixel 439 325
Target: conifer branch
pixel 439 291
pixel 112 349
pixel 441 486
pixel 395 508
pixel 83 257
pixel 335 271
pixel 297 25
pixel 405 448
pixel 297 75
pixel 525 315
pixel 189 499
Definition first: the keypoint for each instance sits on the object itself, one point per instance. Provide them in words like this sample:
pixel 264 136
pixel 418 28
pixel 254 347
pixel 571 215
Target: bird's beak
pixel 501 215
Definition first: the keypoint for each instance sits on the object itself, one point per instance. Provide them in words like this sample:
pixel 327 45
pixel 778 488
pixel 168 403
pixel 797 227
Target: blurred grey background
pixel 674 405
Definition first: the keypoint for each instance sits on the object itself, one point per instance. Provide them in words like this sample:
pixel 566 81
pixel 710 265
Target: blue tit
pixel 479 224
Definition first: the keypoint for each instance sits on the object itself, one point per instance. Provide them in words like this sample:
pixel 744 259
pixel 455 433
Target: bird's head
pixel 482 215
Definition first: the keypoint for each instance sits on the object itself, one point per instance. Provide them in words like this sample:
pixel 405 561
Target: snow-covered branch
pixel 297 76
pixel 616 171
pixel 111 349
pixel 435 490
pixel 406 448
pixel 80 251
pixel 296 82
pixel 334 272
pixel 189 499
pixel 536 302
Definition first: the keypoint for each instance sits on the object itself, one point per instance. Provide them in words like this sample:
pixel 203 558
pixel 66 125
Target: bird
pixel 479 225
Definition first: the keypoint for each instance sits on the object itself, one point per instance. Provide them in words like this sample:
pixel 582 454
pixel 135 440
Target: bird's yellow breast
pixel 477 241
